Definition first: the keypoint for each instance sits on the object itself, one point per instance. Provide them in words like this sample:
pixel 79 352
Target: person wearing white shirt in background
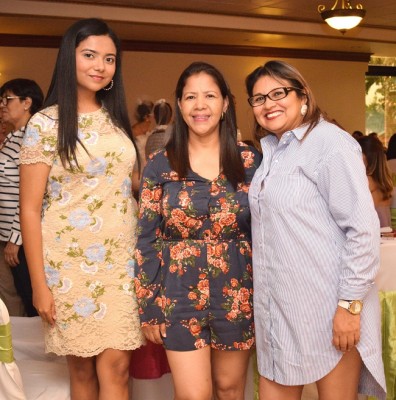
pixel 316 240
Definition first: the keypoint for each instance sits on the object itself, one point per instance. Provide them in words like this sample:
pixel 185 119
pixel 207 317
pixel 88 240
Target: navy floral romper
pixel 193 266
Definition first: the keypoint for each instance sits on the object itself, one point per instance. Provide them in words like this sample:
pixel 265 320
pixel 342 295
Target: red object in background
pixel 149 362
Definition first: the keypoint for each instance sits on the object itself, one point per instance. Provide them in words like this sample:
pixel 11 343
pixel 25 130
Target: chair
pixel 45 376
pixel 11 387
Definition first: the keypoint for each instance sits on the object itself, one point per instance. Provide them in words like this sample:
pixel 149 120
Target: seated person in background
pixel 391 156
pixel 159 137
pixel 379 177
pixel 142 127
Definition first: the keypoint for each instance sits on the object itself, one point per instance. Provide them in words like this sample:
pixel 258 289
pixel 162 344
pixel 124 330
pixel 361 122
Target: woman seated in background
pixel 141 128
pixel 379 177
pixel 391 156
pixel 159 137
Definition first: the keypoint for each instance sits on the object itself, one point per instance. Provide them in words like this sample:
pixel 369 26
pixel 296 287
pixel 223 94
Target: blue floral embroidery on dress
pixel 97 166
pixel 130 268
pixel 95 253
pixel 55 187
pixel 31 137
pixel 52 276
pixel 126 188
pixel 79 219
pixel 84 307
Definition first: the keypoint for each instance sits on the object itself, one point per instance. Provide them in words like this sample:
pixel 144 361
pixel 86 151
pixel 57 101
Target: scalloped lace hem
pixel 36 160
pixel 93 352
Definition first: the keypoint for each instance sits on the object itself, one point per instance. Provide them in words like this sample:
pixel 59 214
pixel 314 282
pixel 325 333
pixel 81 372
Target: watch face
pixel 356 307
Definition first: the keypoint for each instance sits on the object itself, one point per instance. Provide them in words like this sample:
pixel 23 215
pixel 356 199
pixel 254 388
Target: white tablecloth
pixel 386 278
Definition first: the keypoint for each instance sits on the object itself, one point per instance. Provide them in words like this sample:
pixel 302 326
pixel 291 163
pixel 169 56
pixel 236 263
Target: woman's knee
pixel 115 367
pixel 82 369
pixel 229 390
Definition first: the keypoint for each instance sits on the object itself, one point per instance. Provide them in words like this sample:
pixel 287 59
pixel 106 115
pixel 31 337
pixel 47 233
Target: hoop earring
pixel 304 109
pixel 111 84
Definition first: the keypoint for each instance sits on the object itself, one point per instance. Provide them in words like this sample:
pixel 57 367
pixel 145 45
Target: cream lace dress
pixel 88 226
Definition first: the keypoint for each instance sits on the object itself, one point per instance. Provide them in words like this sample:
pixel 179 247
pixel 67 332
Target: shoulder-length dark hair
pixel 177 148
pixel 282 71
pixel 391 152
pixel 377 166
pixel 25 88
pixel 63 88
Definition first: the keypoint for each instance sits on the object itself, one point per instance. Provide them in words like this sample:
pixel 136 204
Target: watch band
pixel 344 304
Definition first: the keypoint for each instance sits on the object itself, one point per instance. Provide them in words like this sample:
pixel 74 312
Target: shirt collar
pixel 299 133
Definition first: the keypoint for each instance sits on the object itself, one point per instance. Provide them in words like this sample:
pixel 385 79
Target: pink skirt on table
pixel 149 362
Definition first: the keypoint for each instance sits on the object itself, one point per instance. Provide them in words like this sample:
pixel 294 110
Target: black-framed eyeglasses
pixel 275 95
pixel 4 100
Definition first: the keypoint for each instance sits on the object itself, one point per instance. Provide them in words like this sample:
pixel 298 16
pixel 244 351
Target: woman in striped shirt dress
pixel 20 99
pixel 315 248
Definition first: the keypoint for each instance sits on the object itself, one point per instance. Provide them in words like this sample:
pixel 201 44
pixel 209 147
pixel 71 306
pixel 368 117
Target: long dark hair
pixel 282 71
pixel 377 166
pixel 391 152
pixel 63 88
pixel 177 147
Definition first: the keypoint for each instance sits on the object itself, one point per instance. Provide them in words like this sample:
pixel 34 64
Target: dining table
pixel 386 283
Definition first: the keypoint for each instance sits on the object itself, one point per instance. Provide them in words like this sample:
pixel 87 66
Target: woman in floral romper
pixel 76 168
pixel 193 270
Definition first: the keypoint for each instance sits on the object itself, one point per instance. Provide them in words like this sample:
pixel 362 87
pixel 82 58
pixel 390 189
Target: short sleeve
pixel 40 139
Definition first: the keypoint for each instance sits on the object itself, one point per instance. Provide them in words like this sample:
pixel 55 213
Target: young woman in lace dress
pixel 78 214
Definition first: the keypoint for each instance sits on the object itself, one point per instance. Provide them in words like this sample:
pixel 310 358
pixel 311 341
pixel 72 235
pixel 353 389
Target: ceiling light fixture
pixel 343 18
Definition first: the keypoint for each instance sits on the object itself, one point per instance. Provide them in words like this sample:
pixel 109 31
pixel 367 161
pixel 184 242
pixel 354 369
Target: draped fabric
pixel 11 386
pixel 6 353
pixel 388 306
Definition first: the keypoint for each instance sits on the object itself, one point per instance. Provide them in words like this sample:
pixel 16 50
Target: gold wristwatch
pixel 353 306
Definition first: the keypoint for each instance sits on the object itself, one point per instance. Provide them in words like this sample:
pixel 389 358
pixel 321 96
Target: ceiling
pixel 223 25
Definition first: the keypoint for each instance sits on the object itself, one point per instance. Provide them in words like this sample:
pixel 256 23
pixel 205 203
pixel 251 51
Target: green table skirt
pixel 388 307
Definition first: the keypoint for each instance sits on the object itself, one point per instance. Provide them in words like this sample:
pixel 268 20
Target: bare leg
pixel 342 382
pixel 191 373
pixel 269 390
pixel 229 370
pixel 112 367
pixel 83 379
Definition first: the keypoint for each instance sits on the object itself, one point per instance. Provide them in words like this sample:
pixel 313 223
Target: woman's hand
pixel 346 330
pixel 43 301
pixel 155 333
pixel 11 254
